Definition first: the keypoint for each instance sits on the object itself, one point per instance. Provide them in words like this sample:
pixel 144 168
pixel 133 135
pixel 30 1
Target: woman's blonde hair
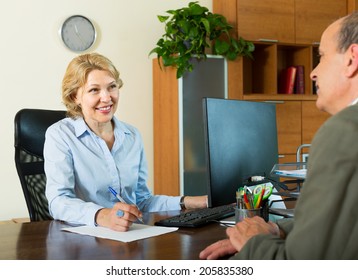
pixel 76 76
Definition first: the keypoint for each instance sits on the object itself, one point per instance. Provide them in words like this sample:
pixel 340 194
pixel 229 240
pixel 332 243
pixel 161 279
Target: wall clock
pixel 78 33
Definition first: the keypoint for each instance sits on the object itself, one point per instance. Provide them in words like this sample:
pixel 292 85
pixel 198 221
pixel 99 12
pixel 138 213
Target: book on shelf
pixel 300 80
pixel 292 80
pixel 287 80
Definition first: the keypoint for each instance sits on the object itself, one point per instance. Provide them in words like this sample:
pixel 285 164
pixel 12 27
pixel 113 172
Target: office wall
pixel 33 61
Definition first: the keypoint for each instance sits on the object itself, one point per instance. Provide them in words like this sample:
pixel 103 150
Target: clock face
pixel 78 33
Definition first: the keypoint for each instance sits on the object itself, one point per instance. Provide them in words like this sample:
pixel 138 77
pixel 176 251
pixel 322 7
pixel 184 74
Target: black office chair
pixel 30 128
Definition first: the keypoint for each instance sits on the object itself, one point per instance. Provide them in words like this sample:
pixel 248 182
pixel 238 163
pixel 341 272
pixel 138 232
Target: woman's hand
pixel 196 202
pixel 118 218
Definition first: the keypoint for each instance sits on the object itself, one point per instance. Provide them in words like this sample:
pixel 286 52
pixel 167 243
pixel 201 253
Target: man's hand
pixel 218 249
pixel 238 237
pixel 249 227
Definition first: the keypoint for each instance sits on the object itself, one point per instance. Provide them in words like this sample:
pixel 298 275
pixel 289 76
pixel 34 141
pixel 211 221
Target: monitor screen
pixel 241 141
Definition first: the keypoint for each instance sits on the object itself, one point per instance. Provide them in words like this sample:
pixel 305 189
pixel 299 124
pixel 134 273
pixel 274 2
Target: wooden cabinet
pixel 166 130
pixel 297 123
pixel 312 17
pixel 262 74
pixel 288 114
pixel 284 21
pixel 352 5
pixel 266 20
pixel 285 33
pixel 312 119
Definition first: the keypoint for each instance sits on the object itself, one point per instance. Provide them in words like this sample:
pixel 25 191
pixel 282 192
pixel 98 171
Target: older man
pixel 325 225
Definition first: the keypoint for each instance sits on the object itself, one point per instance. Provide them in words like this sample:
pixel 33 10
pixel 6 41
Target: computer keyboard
pixel 198 217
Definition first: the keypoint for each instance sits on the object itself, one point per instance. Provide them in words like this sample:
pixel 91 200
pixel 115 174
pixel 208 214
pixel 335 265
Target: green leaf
pixel 206 24
pixel 196 9
pixel 194 32
pixel 168 61
pixel 231 55
pixel 221 47
pixel 155 50
pixel 183 26
pixel 163 18
pixel 250 46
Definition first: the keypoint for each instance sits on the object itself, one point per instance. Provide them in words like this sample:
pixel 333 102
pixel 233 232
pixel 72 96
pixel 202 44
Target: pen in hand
pixel 122 200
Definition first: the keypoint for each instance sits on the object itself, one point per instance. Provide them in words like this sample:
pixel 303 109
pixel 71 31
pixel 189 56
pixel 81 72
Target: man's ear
pixel 352 58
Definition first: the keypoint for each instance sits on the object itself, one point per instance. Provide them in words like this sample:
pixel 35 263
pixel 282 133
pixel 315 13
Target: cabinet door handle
pixel 275 101
pixel 281 156
pixel 268 40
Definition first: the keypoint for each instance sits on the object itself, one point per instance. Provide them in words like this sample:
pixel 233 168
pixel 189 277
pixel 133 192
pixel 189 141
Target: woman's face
pixel 98 98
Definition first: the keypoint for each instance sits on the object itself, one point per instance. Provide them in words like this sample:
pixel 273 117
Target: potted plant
pixel 192 32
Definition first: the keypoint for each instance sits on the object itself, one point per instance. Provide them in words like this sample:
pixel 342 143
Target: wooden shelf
pixel 262 74
pixel 278 97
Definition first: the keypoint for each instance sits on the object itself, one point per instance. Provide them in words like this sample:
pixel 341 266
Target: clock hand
pixel 78 35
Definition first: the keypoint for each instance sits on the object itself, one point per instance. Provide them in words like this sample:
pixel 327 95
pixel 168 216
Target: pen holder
pixel 242 213
pixel 263 212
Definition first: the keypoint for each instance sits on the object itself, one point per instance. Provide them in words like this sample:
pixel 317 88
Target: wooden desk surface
pixel 45 240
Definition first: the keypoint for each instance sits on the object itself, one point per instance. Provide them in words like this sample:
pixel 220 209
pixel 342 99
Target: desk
pixel 45 240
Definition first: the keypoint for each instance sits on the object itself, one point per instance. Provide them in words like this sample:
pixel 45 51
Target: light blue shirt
pixel 80 167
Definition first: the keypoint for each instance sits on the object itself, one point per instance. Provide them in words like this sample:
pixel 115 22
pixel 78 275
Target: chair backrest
pixel 30 129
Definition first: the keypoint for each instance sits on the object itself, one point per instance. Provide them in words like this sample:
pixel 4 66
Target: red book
pixel 300 80
pixel 287 80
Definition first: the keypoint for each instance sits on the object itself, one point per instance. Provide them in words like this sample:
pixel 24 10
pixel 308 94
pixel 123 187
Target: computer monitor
pixel 241 141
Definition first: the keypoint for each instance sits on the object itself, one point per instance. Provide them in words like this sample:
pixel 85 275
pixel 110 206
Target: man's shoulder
pixel 340 130
pixel 351 112
pixel 343 120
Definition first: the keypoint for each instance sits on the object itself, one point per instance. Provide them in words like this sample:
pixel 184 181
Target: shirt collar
pixel 354 101
pixel 81 126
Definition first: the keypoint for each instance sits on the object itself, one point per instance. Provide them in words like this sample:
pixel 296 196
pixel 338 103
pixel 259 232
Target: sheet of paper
pixel 135 232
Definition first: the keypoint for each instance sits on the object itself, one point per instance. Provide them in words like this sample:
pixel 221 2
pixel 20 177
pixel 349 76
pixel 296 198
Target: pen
pixel 247 203
pixel 121 200
pixel 259 200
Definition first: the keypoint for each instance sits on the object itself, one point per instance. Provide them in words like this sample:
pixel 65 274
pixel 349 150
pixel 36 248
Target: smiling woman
pixel 92 150
pixel 79 78
pixel 98 100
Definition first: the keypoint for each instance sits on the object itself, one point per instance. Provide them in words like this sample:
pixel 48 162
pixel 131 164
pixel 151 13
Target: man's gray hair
pixel 348 33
